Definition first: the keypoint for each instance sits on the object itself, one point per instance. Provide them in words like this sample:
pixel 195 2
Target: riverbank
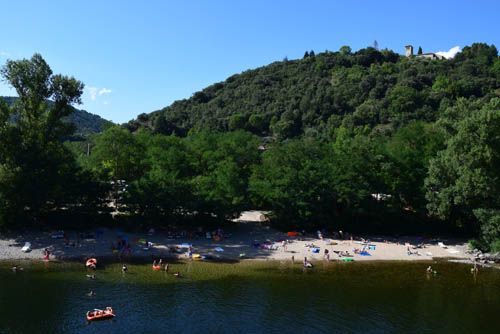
pixel 243 241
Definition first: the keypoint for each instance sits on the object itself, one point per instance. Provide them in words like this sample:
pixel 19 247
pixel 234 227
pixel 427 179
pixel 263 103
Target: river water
pixel 258 297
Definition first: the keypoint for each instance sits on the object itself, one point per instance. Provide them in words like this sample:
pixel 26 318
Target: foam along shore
pixel 241 241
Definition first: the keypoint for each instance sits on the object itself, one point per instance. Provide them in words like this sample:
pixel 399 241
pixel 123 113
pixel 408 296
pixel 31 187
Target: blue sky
pixel 139 56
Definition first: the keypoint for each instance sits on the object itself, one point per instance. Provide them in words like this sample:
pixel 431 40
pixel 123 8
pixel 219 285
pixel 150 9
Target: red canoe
pixel 100 314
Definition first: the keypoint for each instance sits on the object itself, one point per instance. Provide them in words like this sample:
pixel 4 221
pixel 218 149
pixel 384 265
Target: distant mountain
pixel 86 123
pixel 313 96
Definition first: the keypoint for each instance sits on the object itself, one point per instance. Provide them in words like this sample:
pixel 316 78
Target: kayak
pixel 97 314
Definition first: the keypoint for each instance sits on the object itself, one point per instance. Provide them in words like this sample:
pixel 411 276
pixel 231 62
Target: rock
pixel 492 257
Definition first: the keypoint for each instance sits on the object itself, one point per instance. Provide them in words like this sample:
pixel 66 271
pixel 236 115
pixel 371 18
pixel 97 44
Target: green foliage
pixel 38 174
pixel 367 87
pixel 204 174
pixel 84 123
pixel 490 225
pixel 464 176
pixel 409 151
pixel 117 155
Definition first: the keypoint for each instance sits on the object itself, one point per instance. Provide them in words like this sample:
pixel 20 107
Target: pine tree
pixel 419 50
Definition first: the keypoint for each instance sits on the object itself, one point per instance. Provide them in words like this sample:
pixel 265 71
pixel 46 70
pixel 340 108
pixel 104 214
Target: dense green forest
pixel 366 141
pixel 85 123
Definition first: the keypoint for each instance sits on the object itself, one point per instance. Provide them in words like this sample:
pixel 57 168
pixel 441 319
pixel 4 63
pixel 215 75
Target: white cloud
pixel 450 53
pixel 92 92
pixel 103 91
pixel 95 92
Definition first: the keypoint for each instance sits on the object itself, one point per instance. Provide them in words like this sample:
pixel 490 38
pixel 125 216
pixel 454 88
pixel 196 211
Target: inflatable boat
pixel 97 314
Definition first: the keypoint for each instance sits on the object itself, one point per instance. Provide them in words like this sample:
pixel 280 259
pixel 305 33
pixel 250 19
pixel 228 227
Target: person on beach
pixel 431 271
pixel 124 268
pixel 307 264
pixel 283 244
pixel 46 254
pixel 166 267
pixel 293 259
pixel 326 256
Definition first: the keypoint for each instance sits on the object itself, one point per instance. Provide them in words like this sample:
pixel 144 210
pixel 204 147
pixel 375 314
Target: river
pixel 252 297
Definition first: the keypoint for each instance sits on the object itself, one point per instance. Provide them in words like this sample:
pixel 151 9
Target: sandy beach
pixel 243 241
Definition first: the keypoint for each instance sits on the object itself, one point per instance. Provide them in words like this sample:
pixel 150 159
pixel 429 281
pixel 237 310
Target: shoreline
pixel 243 242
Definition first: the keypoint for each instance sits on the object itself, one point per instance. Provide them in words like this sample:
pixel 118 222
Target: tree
pixel 117 158
pixel 164 190
pixel 35 167
pixel 419 50
pixel 345 50
pixel 222 164
pixel 306 55
pixel 463 178
pixel 293 181
pixel 410 150
pixel 375 44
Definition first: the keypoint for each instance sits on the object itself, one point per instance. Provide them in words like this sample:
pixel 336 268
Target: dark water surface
pixel 252 298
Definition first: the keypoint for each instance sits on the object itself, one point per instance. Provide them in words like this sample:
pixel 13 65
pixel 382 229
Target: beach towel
pixel 315 250
pixel 365 253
